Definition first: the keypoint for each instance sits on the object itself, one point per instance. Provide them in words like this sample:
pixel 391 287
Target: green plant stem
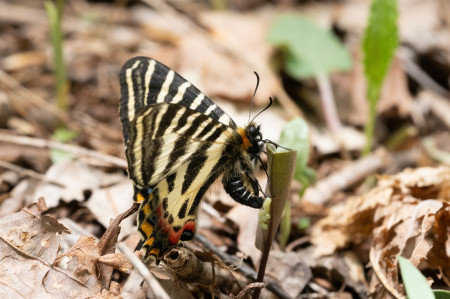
pixel 369 128
pixel 57 41
pixel 281 168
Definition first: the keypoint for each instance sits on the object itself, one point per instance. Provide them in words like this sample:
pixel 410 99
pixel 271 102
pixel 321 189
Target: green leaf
pixel 416 285
pixel 441 294
pixel 64 135
pixel 309 50
pixel 285 226
pixel 304 223
pixel 380 42
pixel 295 136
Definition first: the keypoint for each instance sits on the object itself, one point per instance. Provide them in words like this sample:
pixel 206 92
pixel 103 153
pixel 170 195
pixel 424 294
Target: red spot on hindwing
pixel 163 223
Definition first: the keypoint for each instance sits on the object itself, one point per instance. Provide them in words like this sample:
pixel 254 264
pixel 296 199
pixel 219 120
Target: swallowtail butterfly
pixel 178 142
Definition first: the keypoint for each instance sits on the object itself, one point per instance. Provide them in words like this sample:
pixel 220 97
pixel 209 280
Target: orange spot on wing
pixel 139 197
pixel 245 141
pixel 155 251
pixel 146 209
pixel 150 241
pixel 147 228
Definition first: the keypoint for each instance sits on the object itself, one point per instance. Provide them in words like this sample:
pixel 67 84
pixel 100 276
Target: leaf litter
pixel 405 214
pixel 218 51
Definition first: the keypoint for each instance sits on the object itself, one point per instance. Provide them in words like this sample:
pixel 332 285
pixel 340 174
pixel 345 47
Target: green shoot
pixel 54 13
pixel 380 42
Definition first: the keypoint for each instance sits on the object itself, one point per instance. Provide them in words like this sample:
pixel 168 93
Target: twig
pixel 248 272
pixel 434 152
pixel 73 149
pixel 296 243
pixel 157 289
pixel 247 290
pixel 347 176
pixel 29 173
pixel 30 97
pixel 419 75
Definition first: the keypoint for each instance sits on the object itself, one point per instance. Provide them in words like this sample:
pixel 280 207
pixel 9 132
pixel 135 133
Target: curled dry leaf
pixel 406 214
pixel 117 261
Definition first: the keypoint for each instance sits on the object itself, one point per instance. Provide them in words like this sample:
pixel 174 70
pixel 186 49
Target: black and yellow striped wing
pixel 178 142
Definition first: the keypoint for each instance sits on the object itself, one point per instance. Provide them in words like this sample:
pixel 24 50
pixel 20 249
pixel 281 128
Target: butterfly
pixel 177 143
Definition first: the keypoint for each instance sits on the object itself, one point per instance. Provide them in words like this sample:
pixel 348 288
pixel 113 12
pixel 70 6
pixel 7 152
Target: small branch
pixel 156 288
pixel 347 176
pixel 247 290
pixel 419 75
pixel 29 173
pixel 248 272
pixel 434 152
pixel 73 149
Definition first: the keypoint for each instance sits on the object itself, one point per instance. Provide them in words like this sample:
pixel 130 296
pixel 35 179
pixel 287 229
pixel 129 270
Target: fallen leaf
pixel 29 243
pixel 404 214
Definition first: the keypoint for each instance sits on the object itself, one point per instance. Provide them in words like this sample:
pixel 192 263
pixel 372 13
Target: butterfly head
pixel 255 139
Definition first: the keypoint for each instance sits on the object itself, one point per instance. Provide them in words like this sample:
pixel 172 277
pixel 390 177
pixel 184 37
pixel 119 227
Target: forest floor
pixel 63 170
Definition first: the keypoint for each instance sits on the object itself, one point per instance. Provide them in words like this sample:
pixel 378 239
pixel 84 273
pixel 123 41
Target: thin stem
pixel 281 168
pixel 328 103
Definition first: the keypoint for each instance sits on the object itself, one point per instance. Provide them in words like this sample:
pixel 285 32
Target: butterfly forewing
pixel 145 82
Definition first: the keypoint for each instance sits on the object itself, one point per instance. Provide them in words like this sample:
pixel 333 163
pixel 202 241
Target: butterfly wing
pixel 179 157
pixel 177 143
pixel 146 82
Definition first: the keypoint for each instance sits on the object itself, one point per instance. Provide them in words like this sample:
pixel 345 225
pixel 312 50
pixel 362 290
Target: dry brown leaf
pixel 29 244
pixel 405 214
pixel 81 262
pixel 117 261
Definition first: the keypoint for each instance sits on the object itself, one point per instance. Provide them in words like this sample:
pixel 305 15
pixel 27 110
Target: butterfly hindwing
pixel 167 215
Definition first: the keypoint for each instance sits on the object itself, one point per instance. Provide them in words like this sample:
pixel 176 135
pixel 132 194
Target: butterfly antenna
pixel 267 107
pixel 254 93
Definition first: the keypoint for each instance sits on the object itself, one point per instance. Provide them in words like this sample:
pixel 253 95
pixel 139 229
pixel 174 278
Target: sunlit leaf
pixel 295 136
pixel 416 285
pixel 308 49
